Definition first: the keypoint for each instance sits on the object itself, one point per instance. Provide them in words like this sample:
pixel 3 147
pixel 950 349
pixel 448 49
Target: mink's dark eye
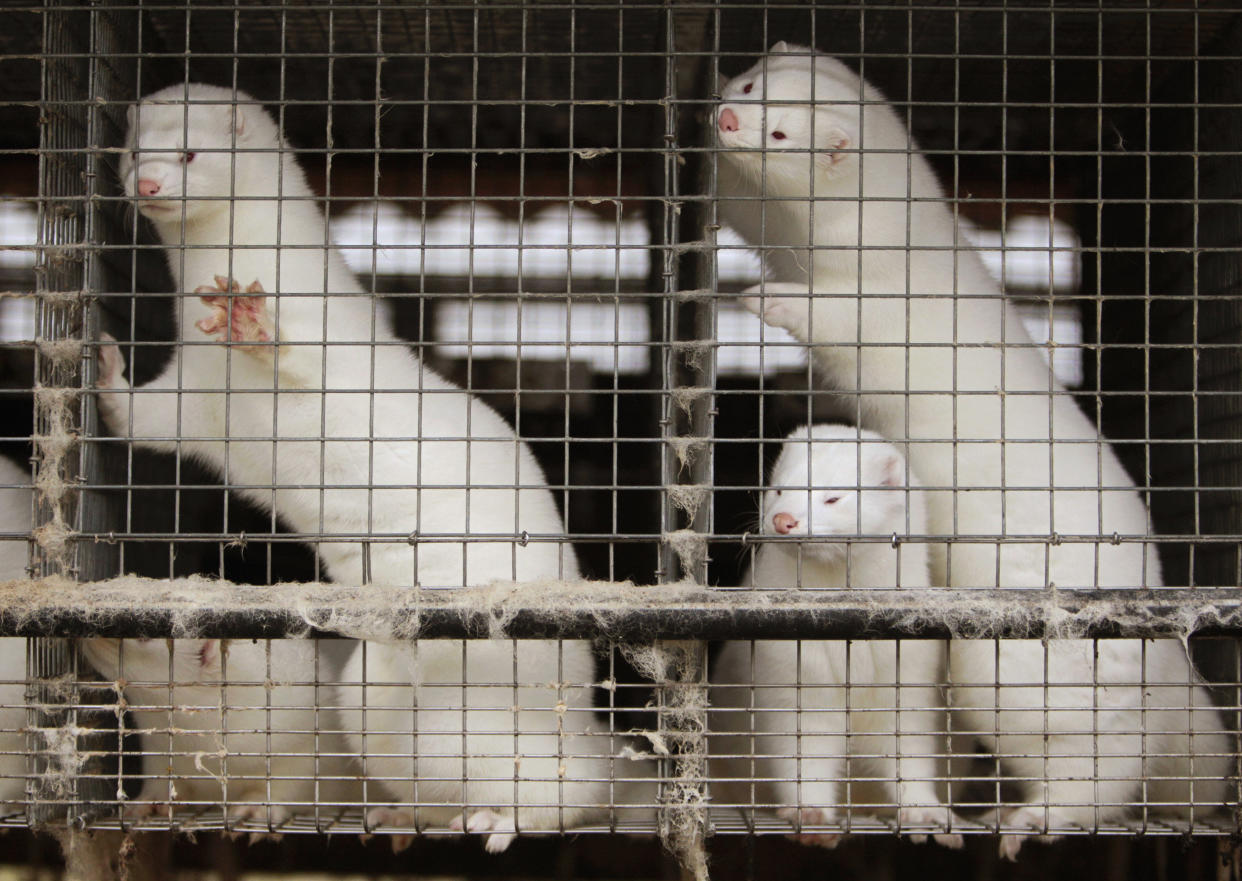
pixel 778 492
pixel 780 136
pixel 832 500
pixel 746 88
pixel 187 157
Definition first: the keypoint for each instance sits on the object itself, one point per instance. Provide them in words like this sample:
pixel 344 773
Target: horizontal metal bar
pixel 724 821
pixel 136 607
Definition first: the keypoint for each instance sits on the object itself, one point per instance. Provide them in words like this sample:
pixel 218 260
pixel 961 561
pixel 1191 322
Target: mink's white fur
pixel 369 443
pixel 224 723
pixel 864 257
pixel 895 311
pixel 831 483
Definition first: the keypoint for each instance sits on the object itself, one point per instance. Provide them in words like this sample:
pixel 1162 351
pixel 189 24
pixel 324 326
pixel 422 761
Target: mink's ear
pixel 131 116
pixel 779 48
pixel 237 119
pixel 837 147
pixel 721 82
pixel 209 653
pixel 893 471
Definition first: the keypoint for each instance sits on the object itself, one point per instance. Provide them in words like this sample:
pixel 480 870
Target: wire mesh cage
pixel 743 424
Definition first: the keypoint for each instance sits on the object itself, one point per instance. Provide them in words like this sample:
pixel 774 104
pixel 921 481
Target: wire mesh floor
pixel 722 821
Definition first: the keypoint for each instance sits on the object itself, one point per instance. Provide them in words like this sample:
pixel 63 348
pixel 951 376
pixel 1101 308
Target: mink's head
pixel 190 149
pixel 797 114
pixel 833 482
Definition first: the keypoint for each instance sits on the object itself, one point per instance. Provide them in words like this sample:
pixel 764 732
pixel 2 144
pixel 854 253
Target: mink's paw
pixel 393 817
pixel 1011 843
pixel 110 377
pixel 780 305
pixel 236 317
pixel 803 817
pixel 110 364
pixel 937 818
pixel 141 810
pixel 271 817
pixel 502 828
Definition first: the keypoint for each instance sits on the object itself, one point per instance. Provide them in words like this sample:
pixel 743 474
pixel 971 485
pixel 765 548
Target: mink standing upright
pixel 310 405
pixel 866 266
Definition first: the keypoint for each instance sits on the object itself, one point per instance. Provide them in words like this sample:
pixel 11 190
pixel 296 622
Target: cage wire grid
pixel 512 242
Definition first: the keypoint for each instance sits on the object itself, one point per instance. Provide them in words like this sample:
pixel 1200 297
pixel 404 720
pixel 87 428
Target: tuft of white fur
pixel 868 269
pixel 869 708
pixel 341 430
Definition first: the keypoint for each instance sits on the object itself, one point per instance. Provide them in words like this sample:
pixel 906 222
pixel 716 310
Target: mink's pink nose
pixel 784 523
pixel 148 187
pixel 727 120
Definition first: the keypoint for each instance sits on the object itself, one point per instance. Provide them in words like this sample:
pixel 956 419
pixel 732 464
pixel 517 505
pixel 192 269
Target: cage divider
pixel 70 160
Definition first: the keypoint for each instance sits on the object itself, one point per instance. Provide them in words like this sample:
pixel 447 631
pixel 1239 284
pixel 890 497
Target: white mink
pixel 831 483
pixel 912 323
pixel 15 519
pixel 936 339
pixel 226 723
pixel 405 454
